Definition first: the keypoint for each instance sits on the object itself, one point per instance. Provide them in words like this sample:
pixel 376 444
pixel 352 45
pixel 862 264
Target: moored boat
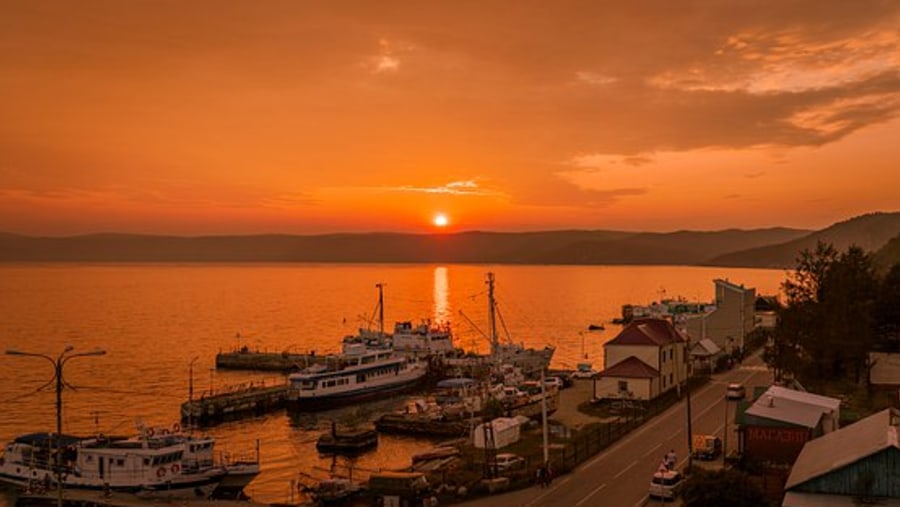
pixel 347 441
pixel 357 375
pixel 105 463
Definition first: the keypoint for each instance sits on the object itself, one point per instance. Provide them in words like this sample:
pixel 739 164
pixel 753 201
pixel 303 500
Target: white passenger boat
pixel 105 463
pixel 360 373
pixel 156 461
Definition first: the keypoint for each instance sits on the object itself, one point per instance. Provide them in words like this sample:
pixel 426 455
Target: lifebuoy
pixel 176 428
pixel 175 468
pixel 161 472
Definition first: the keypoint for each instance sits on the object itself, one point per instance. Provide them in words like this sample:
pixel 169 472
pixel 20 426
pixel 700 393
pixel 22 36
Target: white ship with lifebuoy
pixel 155 461
pixel 359 373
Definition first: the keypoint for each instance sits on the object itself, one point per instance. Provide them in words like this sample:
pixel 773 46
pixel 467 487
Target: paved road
pixel 620 475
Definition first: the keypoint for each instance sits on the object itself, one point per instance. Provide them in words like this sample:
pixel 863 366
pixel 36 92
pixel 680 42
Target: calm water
pixel 154 319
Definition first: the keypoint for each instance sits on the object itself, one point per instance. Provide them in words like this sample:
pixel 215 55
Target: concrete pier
pixel 241 401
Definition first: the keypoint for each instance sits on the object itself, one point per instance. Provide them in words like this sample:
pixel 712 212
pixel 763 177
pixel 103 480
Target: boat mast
pixel 493 320
pixel 380 287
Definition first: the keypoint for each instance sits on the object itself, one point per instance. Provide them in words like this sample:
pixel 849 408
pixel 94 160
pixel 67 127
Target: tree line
pixel 837 309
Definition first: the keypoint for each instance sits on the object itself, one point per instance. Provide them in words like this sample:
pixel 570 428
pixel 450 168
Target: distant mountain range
pixel 775 247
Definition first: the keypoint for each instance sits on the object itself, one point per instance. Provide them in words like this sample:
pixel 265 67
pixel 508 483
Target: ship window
pixel 120 462
pixel 90 458
pixel 146 462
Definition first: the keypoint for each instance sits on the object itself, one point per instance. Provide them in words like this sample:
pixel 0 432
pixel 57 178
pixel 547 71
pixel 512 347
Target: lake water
pixel 153 319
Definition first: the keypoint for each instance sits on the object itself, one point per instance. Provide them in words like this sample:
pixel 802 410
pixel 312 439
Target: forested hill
pixel 870 232
pixel 551 247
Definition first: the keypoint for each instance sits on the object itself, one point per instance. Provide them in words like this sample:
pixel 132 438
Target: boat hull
pixel 337 400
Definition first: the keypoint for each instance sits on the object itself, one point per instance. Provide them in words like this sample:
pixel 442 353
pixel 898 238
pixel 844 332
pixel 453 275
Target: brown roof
pixel 631 367
pixel 656 332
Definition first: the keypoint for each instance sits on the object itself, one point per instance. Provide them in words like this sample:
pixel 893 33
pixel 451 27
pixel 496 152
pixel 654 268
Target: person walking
pixel 671 459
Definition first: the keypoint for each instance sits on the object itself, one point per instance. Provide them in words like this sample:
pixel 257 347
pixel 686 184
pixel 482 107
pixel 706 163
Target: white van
pixel 666 485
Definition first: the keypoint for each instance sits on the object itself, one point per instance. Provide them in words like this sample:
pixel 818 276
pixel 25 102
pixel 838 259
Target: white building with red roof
pixel 646 359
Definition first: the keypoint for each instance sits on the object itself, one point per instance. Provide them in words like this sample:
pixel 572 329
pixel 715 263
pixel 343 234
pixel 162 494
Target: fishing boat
pixel 360 373
pixel 530 361
pixel 424 339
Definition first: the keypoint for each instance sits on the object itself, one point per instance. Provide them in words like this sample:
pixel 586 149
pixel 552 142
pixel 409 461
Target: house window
pixel 663 381
pixel 623 386
pixel 670 378
pixel 671 353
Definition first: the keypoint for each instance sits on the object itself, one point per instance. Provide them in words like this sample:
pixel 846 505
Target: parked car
pixel 706 447
pixel 584 371
pixel 565 378
pixel 509 461
pixel 735 391
pixel 553 382
pixel 666 485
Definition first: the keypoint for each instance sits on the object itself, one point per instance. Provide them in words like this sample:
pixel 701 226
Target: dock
pixel 244 400
pixel 245 359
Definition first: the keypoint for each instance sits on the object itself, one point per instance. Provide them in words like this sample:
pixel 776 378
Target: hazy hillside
pixel 871 232
pixel 888 255
pixel 551 247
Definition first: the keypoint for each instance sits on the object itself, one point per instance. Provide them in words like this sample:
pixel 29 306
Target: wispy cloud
pixel 466 187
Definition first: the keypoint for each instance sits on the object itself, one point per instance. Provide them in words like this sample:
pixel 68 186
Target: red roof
pixel 657 332
pixel 630 367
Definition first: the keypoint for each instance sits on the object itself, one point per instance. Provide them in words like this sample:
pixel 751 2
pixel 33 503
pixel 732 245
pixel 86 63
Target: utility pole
pixel 58 364
pixel 687 386
pixel 544 416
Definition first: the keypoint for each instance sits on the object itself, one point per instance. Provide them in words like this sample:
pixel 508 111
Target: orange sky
pixel 209 117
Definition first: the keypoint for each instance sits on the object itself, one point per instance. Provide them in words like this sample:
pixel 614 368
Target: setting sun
pixel 440 220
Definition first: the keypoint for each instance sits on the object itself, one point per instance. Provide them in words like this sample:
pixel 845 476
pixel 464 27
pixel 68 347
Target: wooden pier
pixel 250 399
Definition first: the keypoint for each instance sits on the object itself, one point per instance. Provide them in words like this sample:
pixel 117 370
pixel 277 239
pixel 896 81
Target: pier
pixel 237 401
pixel 245 359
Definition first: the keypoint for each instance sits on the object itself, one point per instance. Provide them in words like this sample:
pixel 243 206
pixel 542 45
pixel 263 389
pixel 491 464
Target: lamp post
pixel 58 365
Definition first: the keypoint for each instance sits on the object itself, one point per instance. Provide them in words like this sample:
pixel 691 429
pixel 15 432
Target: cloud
pixel 754 175
pixel 467 187
pixel 385 61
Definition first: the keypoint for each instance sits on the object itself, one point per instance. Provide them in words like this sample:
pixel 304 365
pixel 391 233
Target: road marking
pixel 549 490
pixel 592 493
pixel 652 450
pixel 633 463
pixel 643 501
pixel 657 419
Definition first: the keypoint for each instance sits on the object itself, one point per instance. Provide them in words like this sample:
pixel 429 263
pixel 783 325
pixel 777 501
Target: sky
pixel 243 117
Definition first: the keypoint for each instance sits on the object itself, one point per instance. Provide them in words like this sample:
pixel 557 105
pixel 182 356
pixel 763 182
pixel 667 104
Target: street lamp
pixel 58 364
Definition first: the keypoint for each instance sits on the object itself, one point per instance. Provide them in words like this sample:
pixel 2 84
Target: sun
pixel 440 220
